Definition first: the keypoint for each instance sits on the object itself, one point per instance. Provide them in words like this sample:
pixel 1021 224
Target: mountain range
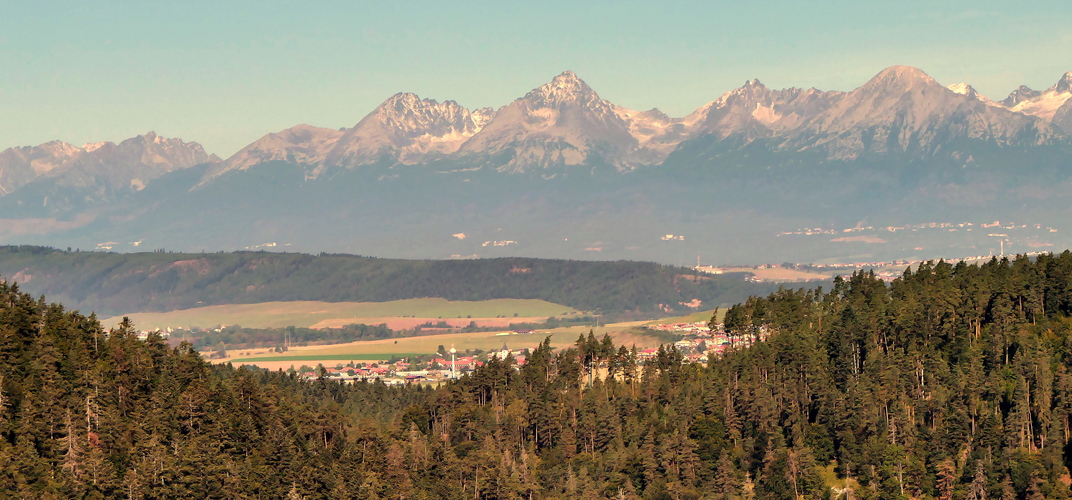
pixel 561 172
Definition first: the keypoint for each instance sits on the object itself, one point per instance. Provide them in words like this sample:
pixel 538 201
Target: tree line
pixel 239 337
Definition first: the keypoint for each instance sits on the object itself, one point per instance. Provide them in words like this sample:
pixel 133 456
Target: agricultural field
pixel 695 317
pixel 384 349
pixel 398 314
pixel 780 275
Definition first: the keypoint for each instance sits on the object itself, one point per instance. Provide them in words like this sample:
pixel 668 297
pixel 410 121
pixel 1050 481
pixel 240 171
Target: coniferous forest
pixel 116 284
pixel 952 382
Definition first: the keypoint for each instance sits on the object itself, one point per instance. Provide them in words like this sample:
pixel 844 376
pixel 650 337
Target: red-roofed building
pixel 466 362
pixel 647 353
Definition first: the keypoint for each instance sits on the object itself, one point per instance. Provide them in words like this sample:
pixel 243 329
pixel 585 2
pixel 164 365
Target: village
pixel 697 342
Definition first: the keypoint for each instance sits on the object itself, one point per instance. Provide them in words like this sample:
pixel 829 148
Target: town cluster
pixel 409 370
pixel 948 226
pixel 697 343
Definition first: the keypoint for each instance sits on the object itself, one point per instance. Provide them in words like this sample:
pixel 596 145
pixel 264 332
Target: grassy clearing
pixel 830 477
pixel 309 313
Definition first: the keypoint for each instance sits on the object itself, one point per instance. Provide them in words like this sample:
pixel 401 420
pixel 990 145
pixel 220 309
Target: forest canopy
pixel 951 382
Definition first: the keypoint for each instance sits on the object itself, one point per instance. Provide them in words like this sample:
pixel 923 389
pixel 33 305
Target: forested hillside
pixel 952 382
pixel 112 283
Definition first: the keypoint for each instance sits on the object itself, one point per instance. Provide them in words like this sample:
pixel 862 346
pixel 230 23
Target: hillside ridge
pixel 112 283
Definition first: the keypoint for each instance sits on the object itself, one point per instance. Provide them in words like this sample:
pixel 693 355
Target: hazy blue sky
pixel 224 73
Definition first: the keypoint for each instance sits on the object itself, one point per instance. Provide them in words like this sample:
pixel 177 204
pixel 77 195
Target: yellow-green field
pixel 695 317
pixel 310 313
pixel 384 349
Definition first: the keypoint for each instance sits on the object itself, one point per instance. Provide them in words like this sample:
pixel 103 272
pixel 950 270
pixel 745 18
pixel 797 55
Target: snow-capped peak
pixel 566 87
pixel 93 146
pixel 1043 104
pixel 960 88
pixel 967 90
pixel 751 89
pixel 482 116
pixel 1022 93
pixel 409 130
pixel 567 80
pixel 408 113
pixel 560 123
pixel 59 148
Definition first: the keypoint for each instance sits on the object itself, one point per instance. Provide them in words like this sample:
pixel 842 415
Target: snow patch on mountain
pixel 93 146
pixel 968 90
pixel 409 130
pixel 1044 104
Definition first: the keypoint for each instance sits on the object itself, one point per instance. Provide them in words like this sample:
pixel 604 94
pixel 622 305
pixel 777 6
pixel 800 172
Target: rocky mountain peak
pixel 407 129
pixel 1022 93
pixel 967 90
pixel 1065 83
pixel 899 79
pixel 166 153
pixel 562 89
pixel 93 146
pixel 900 71
pixel 64 177
pixel 21 165
pixel 654 114
pixel 752 90
pixel 903 111
pixel 752 111
pixel 1052 104
pixel 401 100
pixel 567 80
pixel 59 148
pixel 408 113
pixel 306 132
pixel 561 123
pixel 302 144
pixel 481 116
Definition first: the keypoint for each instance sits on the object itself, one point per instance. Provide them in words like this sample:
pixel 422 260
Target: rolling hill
pixel 113 283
